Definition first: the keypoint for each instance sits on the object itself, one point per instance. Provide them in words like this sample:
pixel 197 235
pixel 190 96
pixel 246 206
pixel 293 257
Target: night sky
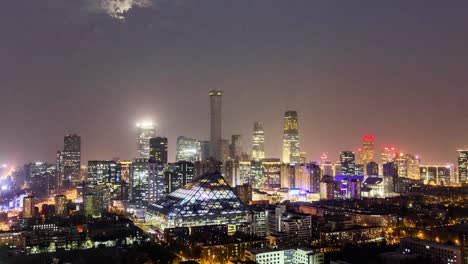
pixel 397 69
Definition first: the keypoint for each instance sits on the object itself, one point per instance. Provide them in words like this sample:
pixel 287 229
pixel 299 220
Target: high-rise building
pixel 157 184
pixel 388 154
pixel 291 148
pixel 272 173
pixel 367 150
pixel 72 158
pixel 315 177
pixel 390 169
pixel 359 169
pixel 185 171
pixel 146 130
pixel 258 142
pixel 139 179
pixel 103 171
pixel 463 166
pixel 158 149
pixel 28 207
pixel 236 147
pixel 41 178
pixel 205 149
pixel 372 168
pixel 88 204
pixel 216 124
pixel 59 166
pixel 348 162
pixel 188 149
pixel 408 166
pixel 258 178
pixel 61 209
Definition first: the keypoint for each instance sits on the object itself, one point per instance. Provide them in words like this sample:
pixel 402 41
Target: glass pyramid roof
pixel 207 196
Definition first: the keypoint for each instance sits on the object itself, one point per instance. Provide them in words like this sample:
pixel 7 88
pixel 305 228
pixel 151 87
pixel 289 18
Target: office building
pixel 215 124
pixel 158 149
pixel 61 205
pixel 291 147
pixel 236 147
pixel 146 131
pixel 388 154
pixel 285 256
pixel 28 207
pixel 139 179
pixel 40 177
pixel 359 169
pixel 433 251
pixel 272 173
pixel 348 163
pixel 88 205
pixel 372 168
pixel 258 178
pixel 103 171
pixel 158 179
pixel 207 201
pixel 436 174
pixel 366 152
pixel 408 166
pixel 72 158
pixel 258 142
pixel 188 149
pixel 390 169
pixel 463 166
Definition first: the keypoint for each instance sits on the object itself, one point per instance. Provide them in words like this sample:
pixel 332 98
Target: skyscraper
pixel 139 181
pixel 236 147
pixel 61 205
pixel 463 166
pixel 158 149
pixel 188 149
pixel 367 150
pixel 348 162
pixel 72 158
pixel 216 124
pixel 291 148
pixel 28 207
pixel 408 166
pixel 388 154
pixel 146 130
pixel 258 142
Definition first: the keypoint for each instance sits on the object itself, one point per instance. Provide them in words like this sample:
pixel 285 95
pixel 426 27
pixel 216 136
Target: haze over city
pixel 396 70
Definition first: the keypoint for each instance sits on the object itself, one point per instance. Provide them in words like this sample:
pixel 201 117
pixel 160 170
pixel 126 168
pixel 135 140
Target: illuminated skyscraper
pixel 463 166
pixel 367 150
pixel 408 166
pixel 272 173
pixel 291 148
pixel 348 163
pixel 436 174
pixel 139 181
pixel 72 158
pixel 61 205
pixel 103 172
pixel 258 142
pixel 146 130
pixel 28 207
pixel 158 149
pixel 388 154
pixel 216 124
pixel 188 149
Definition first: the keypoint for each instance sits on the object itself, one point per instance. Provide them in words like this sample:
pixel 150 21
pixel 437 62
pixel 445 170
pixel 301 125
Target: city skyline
pixel 396 78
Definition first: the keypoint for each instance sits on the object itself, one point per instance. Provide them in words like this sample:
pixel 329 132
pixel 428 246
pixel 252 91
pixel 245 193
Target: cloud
pixel 117 8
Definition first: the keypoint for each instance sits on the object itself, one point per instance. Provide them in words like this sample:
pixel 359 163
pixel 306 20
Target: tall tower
pixel 146 131
pixel 291 149
pixel 158 149
pixel 258 142
pixel 367 150
pixel 348 163
pixel 216 125
pixel 72 158
pixel 463 166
